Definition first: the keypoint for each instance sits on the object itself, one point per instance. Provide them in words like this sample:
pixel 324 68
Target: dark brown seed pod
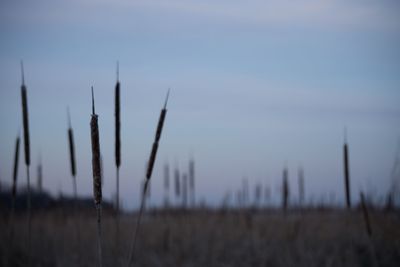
pixel 72 151
pixel 71 146
pixel 152 160
pixel 153 153
pixel 96 165
pixel 25 118
pixel 117 126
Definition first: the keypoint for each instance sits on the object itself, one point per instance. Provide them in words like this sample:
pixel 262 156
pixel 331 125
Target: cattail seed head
pixel 96 164
pixel 117 126
pixel 25 119
pixel 71 145
pixel 72 151
pixel 153 153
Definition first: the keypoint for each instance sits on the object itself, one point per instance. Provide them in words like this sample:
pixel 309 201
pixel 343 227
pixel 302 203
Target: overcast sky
pixel 255 85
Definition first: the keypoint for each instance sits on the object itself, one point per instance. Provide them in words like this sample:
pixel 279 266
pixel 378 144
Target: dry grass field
pixel 208 238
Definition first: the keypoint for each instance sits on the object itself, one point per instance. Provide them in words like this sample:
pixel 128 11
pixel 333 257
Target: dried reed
pixel 117 150
pixel 346 170
pixel 25 120
pixel 149 171
pixel 285 189
pixel 96 168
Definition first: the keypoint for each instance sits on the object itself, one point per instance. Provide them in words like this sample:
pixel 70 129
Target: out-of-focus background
pixel 256 86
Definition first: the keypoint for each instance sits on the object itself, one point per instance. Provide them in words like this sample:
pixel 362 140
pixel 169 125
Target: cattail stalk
pixel 117 148
pixel 346 171
pixel 14 185
pixel 25 120
pixel 96 168
pixel 149 171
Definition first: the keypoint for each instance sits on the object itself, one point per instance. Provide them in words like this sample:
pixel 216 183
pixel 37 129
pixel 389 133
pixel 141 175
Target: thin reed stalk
pixel 25 120
pixel 150 166
pixel 14 187
pixel 96 168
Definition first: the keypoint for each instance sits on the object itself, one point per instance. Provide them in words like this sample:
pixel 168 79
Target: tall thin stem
pixel 99 250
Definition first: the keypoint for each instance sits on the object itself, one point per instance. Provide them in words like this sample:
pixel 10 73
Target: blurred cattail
pixel 150 165
pixel 166 184
pixel 117 140
pixel 365 213
pixel 72 154
pixel 301 185
pixel 177 183
pixel 346 171
pixel 191 182
pixel 96 168
pixel 25 121
pixel 25 118
pixel 184 190
pixel 285 189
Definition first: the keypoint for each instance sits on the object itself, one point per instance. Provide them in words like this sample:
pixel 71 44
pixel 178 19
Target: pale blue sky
pixel 254 84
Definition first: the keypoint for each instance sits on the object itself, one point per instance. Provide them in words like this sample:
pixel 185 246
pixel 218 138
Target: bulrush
pixel 96 168
pixel 25 121
pixel 150 165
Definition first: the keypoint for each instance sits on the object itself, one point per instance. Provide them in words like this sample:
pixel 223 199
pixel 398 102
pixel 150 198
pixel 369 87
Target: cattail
pixel 191 182
pixel 346 171
pixel 117 150
pixel 301 186
pixel 25 121
pixel 150 165
pixel 285 189
pixel 365 213
pixel 72 155
pixel 96 168
pixel 184 190
pixel 117 133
